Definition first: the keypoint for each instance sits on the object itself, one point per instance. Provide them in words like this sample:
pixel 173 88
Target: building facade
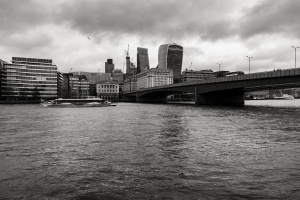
pixel 154 77
pixel 170 57
pixel 94 77
pixel 118 76
pixel 130 83
pixel 79 87
pixel 108 90
pixel 109 66
pixel 142 60
pixel 65 88
pixel 28 79
pixel 191 75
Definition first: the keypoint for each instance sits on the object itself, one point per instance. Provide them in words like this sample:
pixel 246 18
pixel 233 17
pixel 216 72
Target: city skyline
pixel 83 35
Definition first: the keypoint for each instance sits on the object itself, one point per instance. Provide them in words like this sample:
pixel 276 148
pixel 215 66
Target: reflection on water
pixel 144 151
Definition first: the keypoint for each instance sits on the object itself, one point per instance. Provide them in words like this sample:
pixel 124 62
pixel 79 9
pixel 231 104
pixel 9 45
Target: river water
pixel 151 151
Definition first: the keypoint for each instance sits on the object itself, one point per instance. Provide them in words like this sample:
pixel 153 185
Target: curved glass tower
pixel 170 57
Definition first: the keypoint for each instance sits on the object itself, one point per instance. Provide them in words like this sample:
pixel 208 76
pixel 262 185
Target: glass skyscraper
pixel 170 57
pixel 142 60
pixel 28 79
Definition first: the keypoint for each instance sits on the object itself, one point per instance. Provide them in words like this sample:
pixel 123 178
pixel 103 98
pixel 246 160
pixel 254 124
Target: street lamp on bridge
pixel 249 63
pixel 219 65
pixel 295 54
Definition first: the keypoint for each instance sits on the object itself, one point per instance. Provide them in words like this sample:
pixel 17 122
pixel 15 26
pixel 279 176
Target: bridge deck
pixel 253 76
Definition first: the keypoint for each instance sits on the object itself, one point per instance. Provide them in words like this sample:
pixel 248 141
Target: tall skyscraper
pixel 109 66
pixel 142 60
pixel 170 57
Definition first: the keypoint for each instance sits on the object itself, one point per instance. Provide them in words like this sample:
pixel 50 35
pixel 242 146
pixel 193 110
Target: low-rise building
pixel 154 77
pixel 79 87
pixel 130 83
pixel 192 75
pixel 108 90
pixel 118 76
pixel 94 77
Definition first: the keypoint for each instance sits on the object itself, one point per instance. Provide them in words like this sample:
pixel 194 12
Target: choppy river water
pixel 151 151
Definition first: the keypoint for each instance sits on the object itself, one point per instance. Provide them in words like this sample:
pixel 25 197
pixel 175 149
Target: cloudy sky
pixel 82 35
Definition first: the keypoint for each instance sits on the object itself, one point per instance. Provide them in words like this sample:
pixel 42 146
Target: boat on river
pixel 285 97
pixel 88 102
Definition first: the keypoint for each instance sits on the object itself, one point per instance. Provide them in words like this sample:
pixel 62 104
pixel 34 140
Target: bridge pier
pixel 151 99
pixel 233 97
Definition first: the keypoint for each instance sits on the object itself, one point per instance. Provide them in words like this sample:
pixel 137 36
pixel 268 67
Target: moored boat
pixel 88 102
pixel 285 97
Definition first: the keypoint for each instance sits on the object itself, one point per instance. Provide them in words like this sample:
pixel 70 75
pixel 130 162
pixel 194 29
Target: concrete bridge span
pixel 221 91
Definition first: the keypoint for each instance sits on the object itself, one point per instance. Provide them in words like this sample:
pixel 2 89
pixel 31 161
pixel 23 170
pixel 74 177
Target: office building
pixel 118 76
pixel 142 60
pixel 59 84
pixel 154 77
pixel 170 57
pixel 192 75
pixel 66 88
pixel 133 70
pixel 108 90
pixel 28 79
pixel 109 66
pixel 130 83
pixel 79 87
pixel 94 77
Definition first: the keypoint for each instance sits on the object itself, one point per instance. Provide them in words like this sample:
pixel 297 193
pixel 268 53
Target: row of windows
pixel 42 67
pixel 27 74
pixel 31 60
pixel 29 78
pixel 108 86
pixel 21 88
pixel 29 71
pixel 108 91
pixel 29 85
pixel 31 81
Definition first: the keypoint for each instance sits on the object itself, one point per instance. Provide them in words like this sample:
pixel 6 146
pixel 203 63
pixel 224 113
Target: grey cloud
pixel 172 19
pixel 18 16
pixel 271 17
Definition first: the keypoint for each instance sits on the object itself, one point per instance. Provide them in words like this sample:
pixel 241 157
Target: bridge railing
pixel 258 75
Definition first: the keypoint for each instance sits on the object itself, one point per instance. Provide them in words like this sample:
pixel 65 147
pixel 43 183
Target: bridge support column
pixel 145 99
pixel 234 97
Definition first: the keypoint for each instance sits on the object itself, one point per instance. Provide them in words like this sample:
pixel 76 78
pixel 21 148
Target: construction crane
pixel 127 52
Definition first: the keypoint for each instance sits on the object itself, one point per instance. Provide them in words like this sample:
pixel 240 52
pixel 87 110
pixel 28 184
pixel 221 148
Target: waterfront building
pixel 118 76
pixel 79 87
pixel 108 90
pixel 133 70
pixel 170 57
pixel 109 66
pixel 93 90
pixel 59 84
pixel 154 77
pixel 192 75
pixel 65 88
pixel 130 83
pixel 142 60
pixel 94 77
pixel 28 79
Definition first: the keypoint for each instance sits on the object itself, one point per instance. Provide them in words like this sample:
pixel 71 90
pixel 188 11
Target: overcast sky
pixel 83 34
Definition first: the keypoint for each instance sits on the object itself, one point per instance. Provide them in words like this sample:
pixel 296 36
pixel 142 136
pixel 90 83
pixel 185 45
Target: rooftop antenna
pixel 127 52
